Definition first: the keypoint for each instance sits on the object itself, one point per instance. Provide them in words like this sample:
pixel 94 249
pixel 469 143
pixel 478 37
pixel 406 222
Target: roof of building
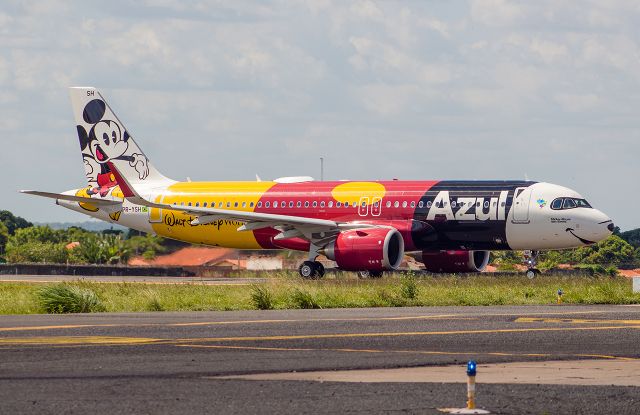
pixel 189 256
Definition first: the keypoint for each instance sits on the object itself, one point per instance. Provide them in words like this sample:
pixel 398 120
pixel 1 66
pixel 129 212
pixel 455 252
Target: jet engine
pixel 455 261
pixel 373 249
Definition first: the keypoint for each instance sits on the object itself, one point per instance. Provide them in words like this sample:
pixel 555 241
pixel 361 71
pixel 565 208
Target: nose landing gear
pixel 531 260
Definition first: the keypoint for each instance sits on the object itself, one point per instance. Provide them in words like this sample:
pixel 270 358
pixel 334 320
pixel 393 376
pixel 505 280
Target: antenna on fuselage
pixel 321 169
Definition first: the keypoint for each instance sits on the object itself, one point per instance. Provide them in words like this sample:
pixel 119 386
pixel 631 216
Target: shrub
pixel 408 287
pixel 304 299
pixel 261 298
pixel 63 298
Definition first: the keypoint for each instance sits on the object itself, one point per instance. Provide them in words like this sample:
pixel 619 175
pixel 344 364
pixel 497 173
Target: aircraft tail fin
pixel 104 141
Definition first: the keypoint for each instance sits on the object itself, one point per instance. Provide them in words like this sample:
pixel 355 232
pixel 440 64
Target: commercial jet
pixel 364 226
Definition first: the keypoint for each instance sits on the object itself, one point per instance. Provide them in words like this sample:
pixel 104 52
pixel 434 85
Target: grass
pixel 341 291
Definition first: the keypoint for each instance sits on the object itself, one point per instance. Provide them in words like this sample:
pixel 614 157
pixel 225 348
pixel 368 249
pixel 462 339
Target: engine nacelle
pixel 455 261
pixel 374 249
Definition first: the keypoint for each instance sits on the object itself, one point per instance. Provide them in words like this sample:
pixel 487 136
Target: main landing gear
pixel 311 270
pixel 531 260
pixel 369 274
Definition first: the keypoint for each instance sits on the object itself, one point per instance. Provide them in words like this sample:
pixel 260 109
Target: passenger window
pixel 181 203
pixel 396 204
pixel 568 203
pixel 267 204
pixel 251 204
pixel 220 204
pixel 189 203
pixel 299 204
pixel 420 204
pixel 404 204
pixel 338 204
pixel 275 204
pixel 388 203
pixel 364 204
pixel 331 203
pixel 413 204
pixel 259 204
pixel 486 204
pixel 556 204
pixel 235 204
pixel 306 204
pixel 315 203
pixel 205 204
pixel 244 204
pixel 322 204
pixel 290 203
pixel 429 204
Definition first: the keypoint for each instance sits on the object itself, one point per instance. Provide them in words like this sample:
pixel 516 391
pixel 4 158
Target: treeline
pixel 611 252
pixel 20 241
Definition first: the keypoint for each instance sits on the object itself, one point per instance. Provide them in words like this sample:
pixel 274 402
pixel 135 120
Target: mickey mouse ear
pixel 93 111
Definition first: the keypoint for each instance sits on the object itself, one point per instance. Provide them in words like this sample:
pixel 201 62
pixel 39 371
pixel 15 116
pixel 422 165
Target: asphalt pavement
pixel 203 362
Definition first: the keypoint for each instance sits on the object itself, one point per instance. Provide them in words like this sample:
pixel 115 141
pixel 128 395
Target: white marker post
pixel 471 394
pixel 471 384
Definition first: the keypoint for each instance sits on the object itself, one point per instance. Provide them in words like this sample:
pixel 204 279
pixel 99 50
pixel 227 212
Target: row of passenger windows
pixel 563 203
pixel 330 204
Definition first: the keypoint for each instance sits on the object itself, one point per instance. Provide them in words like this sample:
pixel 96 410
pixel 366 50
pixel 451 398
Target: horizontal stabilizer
pixel 70 198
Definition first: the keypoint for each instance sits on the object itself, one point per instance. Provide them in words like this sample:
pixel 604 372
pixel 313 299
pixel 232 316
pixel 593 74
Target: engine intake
pixel 374 249
pixel 455 261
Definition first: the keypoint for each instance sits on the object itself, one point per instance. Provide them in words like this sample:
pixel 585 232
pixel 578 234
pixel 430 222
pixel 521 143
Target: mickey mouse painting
pixel 106 140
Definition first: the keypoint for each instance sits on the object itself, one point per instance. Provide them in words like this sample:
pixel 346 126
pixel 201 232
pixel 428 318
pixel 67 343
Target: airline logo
pixel 467 208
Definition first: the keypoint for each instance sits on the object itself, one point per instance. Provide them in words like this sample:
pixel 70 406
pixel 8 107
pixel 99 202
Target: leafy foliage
pixel 261 298
pixel 13 222
pixel 304 299
pixel 632 237
pixel 4 237
pixel 63 298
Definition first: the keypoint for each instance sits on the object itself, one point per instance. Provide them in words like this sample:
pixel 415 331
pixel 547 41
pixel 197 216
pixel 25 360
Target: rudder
pixel 103 140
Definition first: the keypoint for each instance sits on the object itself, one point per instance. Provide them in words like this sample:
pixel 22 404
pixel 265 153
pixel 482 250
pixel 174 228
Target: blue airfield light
pixel 471 368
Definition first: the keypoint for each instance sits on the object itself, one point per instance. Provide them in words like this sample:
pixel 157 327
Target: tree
pixel 13 222
pixel 612 251
pixel 632 236
pixel 4 237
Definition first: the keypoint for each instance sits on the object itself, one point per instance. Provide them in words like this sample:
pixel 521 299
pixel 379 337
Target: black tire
pixel 307 270
pixel 363 274
pixel 319 270
pixel 376 274
pixel 532 273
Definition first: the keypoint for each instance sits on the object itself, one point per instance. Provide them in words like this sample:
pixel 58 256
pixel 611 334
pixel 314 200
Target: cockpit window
pixel 582 203
pixel 562 203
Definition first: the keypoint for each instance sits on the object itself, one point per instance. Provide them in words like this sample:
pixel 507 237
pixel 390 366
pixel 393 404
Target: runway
pixel 329 361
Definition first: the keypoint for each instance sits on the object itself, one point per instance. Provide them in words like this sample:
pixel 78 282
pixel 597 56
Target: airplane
pixel 364 226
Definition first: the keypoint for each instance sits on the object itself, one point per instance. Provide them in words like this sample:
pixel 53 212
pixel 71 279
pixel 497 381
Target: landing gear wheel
pixel 369 274
pixel 531 273
pixel 311 270
pixel 375 274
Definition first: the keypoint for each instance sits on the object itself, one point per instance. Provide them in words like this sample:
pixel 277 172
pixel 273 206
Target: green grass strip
pixel 289 292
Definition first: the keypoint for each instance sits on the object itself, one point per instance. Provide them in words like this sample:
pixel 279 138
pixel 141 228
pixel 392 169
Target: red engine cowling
pixel 455 261
pixel 374 249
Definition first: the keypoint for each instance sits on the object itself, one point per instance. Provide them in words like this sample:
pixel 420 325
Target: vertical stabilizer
pixel 104 140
